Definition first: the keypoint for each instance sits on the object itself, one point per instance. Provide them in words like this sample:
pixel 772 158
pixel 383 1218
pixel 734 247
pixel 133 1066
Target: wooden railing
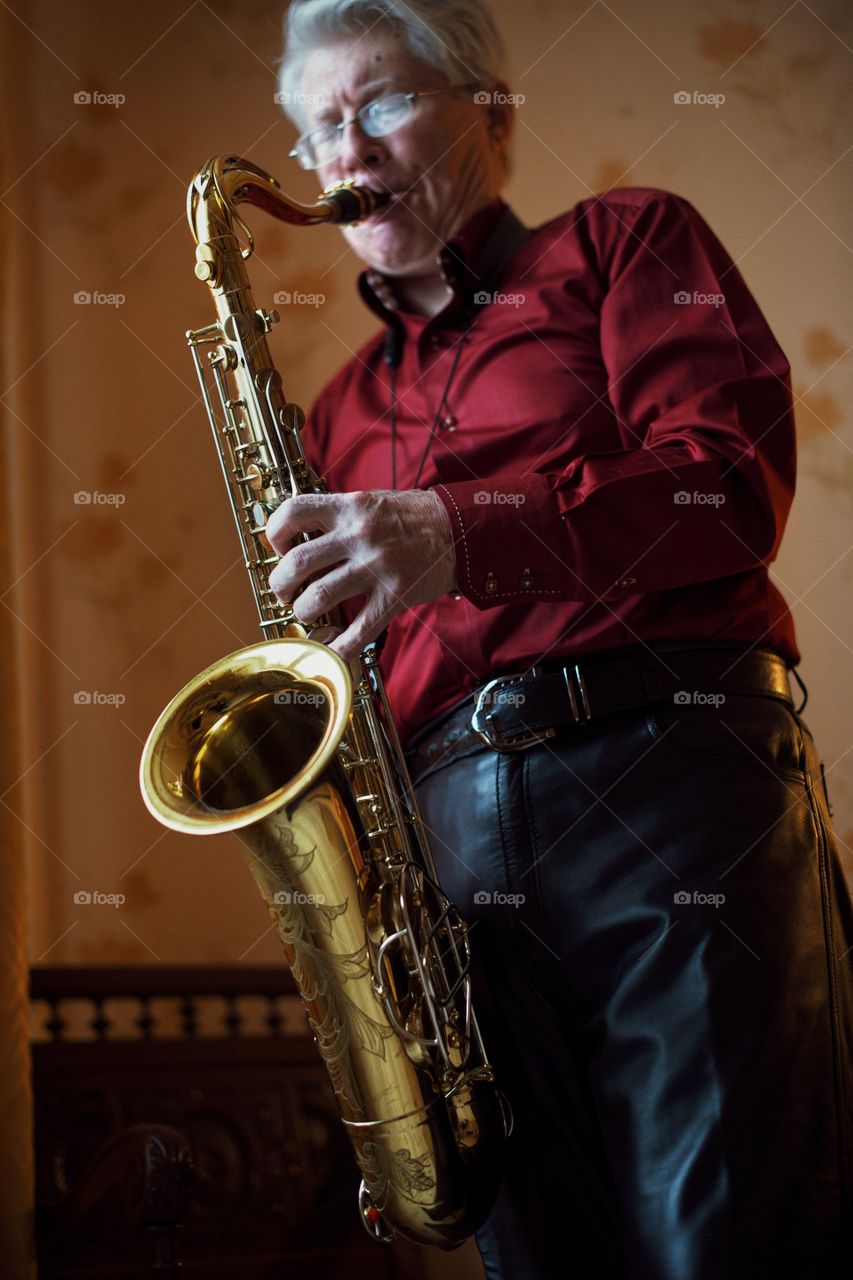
pixel 193 989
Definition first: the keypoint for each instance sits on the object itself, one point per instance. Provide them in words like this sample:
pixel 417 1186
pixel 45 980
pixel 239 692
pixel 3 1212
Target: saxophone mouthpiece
pixel 349 203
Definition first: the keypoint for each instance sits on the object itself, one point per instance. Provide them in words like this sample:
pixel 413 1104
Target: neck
pixel 427 293
pixel 422 295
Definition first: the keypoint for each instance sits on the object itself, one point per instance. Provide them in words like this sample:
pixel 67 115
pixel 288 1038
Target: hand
pixel 396 549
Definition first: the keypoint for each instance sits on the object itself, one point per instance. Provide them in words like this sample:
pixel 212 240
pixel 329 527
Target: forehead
pixel 338 75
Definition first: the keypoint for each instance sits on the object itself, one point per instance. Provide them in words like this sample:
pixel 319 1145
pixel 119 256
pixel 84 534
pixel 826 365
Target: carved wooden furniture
pixel 143 1170
pixel 224 1059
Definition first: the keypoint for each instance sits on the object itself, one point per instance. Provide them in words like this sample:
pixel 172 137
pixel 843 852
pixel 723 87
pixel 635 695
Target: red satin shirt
pixel 616 455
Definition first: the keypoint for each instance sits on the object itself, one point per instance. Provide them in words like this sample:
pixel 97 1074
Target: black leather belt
pixel 514 712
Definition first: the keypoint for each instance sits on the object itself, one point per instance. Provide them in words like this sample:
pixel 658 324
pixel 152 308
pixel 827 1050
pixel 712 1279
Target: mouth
pixel 391 201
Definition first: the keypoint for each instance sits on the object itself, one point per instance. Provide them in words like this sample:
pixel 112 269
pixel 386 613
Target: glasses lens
pixel 303 153
pixel 318 147
pixel 382 116
pixel 385 114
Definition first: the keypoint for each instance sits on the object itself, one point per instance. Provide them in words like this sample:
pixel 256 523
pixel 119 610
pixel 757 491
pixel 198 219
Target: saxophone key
pixel 256 477
pixel 292 417
pixel 266 319
pixel 223 356
pixel 259 513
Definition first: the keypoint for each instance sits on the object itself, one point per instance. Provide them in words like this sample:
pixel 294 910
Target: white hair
pixel 459 38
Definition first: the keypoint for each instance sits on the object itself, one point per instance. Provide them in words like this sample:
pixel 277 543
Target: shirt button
pixel 526 580
pixel 491 584
pixel 448 422
pixel 434 342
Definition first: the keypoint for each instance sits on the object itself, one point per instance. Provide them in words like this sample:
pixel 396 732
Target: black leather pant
pixel 662 957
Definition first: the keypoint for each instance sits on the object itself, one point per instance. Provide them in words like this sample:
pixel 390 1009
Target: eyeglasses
pixel 377 118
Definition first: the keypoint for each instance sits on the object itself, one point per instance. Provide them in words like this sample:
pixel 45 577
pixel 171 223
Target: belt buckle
pixel 481 718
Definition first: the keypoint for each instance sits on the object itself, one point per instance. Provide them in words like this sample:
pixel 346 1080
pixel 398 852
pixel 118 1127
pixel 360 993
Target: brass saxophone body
pixel 295 751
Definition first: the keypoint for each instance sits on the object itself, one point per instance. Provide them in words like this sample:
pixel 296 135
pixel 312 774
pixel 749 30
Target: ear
pixel 500 112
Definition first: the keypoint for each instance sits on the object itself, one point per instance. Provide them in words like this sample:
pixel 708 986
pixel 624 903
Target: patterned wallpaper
pixel 126 580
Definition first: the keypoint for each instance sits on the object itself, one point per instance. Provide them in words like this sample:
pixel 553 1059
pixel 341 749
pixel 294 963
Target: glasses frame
pixel 296 153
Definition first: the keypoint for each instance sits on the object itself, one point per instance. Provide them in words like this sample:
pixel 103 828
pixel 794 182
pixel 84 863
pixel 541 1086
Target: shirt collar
pixel 456 261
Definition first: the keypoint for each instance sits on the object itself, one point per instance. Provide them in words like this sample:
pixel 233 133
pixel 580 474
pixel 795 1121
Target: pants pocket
pixel 749 732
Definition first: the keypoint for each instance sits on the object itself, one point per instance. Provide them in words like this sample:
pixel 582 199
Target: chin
pixel 393 251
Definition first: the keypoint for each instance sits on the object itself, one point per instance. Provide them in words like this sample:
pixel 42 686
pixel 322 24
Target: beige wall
pixel 132 600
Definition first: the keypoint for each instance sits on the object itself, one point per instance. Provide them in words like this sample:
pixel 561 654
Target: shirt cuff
pixel 502 529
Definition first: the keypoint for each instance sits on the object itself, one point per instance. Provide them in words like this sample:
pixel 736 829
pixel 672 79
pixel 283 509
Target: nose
pixel 359 150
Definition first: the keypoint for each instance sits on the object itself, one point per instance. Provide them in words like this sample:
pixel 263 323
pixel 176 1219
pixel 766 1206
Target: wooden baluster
pixel 233 1018
pixel 189 1020
pixel 145 1021
pixel 274 1020
pixel 100 1024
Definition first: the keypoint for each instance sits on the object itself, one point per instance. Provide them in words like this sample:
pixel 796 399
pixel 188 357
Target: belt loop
pixel 570 690
pixel 796 676
pixel 576 689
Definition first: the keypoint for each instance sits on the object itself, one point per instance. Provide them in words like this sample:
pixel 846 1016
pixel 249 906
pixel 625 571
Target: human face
pixel 440 167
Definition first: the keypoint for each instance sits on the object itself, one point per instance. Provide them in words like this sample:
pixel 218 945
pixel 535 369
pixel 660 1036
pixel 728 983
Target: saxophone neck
pixel 228 181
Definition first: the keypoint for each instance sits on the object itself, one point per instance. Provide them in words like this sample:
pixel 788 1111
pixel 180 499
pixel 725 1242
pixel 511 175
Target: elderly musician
pixel 559 467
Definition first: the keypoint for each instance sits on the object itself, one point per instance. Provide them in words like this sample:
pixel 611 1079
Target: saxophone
pixel 295 751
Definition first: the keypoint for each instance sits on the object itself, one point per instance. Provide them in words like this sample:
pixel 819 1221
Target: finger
pixel 304 560
pixel 367 626
pixel 304 513
pixel 348 644
pixel 328 591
